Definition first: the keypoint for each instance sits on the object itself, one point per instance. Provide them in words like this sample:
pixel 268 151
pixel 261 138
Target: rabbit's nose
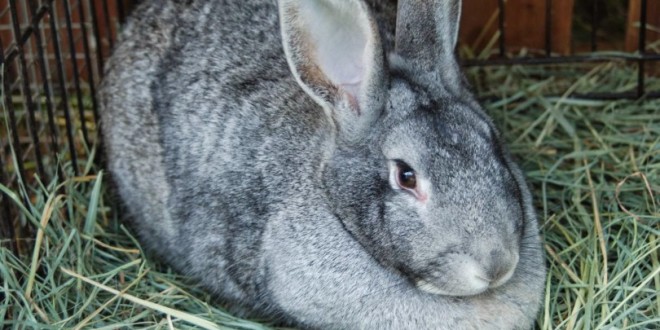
pixel 500 267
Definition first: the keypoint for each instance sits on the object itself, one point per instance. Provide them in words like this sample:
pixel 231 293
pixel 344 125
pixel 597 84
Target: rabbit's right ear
pixel 427 32
pixel 334 51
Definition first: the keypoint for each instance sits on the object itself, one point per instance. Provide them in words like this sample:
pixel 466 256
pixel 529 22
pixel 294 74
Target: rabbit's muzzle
pixel 465 275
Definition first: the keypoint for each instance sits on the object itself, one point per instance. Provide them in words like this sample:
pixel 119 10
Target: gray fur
pixel 270 183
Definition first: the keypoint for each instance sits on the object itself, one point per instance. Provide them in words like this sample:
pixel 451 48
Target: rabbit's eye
pixel 406 176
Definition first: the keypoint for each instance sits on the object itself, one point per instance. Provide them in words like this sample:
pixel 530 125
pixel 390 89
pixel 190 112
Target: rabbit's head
pixel 418 174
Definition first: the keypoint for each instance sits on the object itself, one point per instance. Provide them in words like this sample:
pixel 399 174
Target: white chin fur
pixel 430 288
pixel 504 278
pixel 477 287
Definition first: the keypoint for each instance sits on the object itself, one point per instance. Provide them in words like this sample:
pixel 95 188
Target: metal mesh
pixel 641 56
pixel 51 54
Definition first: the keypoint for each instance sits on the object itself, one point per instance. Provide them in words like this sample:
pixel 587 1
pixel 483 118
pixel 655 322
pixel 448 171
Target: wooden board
pixel 524 25
pixel 632 28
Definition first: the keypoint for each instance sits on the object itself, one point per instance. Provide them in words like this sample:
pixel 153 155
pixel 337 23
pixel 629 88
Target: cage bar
pixel 6 225
pixel 548 28
pixel 120 10
pixel 27 95
pixel 88 65
pixel 561 59
pixel 50 109
pixel 13 127
pixel 501 27
pixel 64 104
pixel 97 37
pixel 594 25
pixel 642 49
pixel 76 78
pixel 108 25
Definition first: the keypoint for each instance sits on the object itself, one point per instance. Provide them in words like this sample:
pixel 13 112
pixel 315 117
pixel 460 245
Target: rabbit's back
pixel 206 130
pixel 130 127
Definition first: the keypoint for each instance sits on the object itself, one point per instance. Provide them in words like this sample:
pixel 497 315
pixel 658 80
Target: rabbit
pixel 320 163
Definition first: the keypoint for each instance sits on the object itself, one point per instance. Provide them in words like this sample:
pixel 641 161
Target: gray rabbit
pixel 321 163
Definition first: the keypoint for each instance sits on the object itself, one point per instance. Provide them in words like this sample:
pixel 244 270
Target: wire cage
pixel 52 55
pixel 568 32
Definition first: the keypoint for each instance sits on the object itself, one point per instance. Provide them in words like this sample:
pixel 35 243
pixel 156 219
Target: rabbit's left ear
pixel 334 51
pixel 427 32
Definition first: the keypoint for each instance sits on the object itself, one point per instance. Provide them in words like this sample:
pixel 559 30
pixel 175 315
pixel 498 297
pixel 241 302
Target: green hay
pixel 594 168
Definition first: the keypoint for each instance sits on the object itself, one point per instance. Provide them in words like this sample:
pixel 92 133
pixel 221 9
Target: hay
pixel 594 167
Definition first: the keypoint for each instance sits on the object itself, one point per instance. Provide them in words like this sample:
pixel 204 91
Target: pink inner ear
pixel 352 98
pixel 353 89
pixel 343 63
pixel 353 92
pixel 339 37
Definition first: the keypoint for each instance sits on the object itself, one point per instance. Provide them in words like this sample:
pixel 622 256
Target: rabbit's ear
pixel 427 32
pixel 335 53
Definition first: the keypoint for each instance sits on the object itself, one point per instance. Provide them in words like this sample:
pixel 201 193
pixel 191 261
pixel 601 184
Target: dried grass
pixel 594 167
